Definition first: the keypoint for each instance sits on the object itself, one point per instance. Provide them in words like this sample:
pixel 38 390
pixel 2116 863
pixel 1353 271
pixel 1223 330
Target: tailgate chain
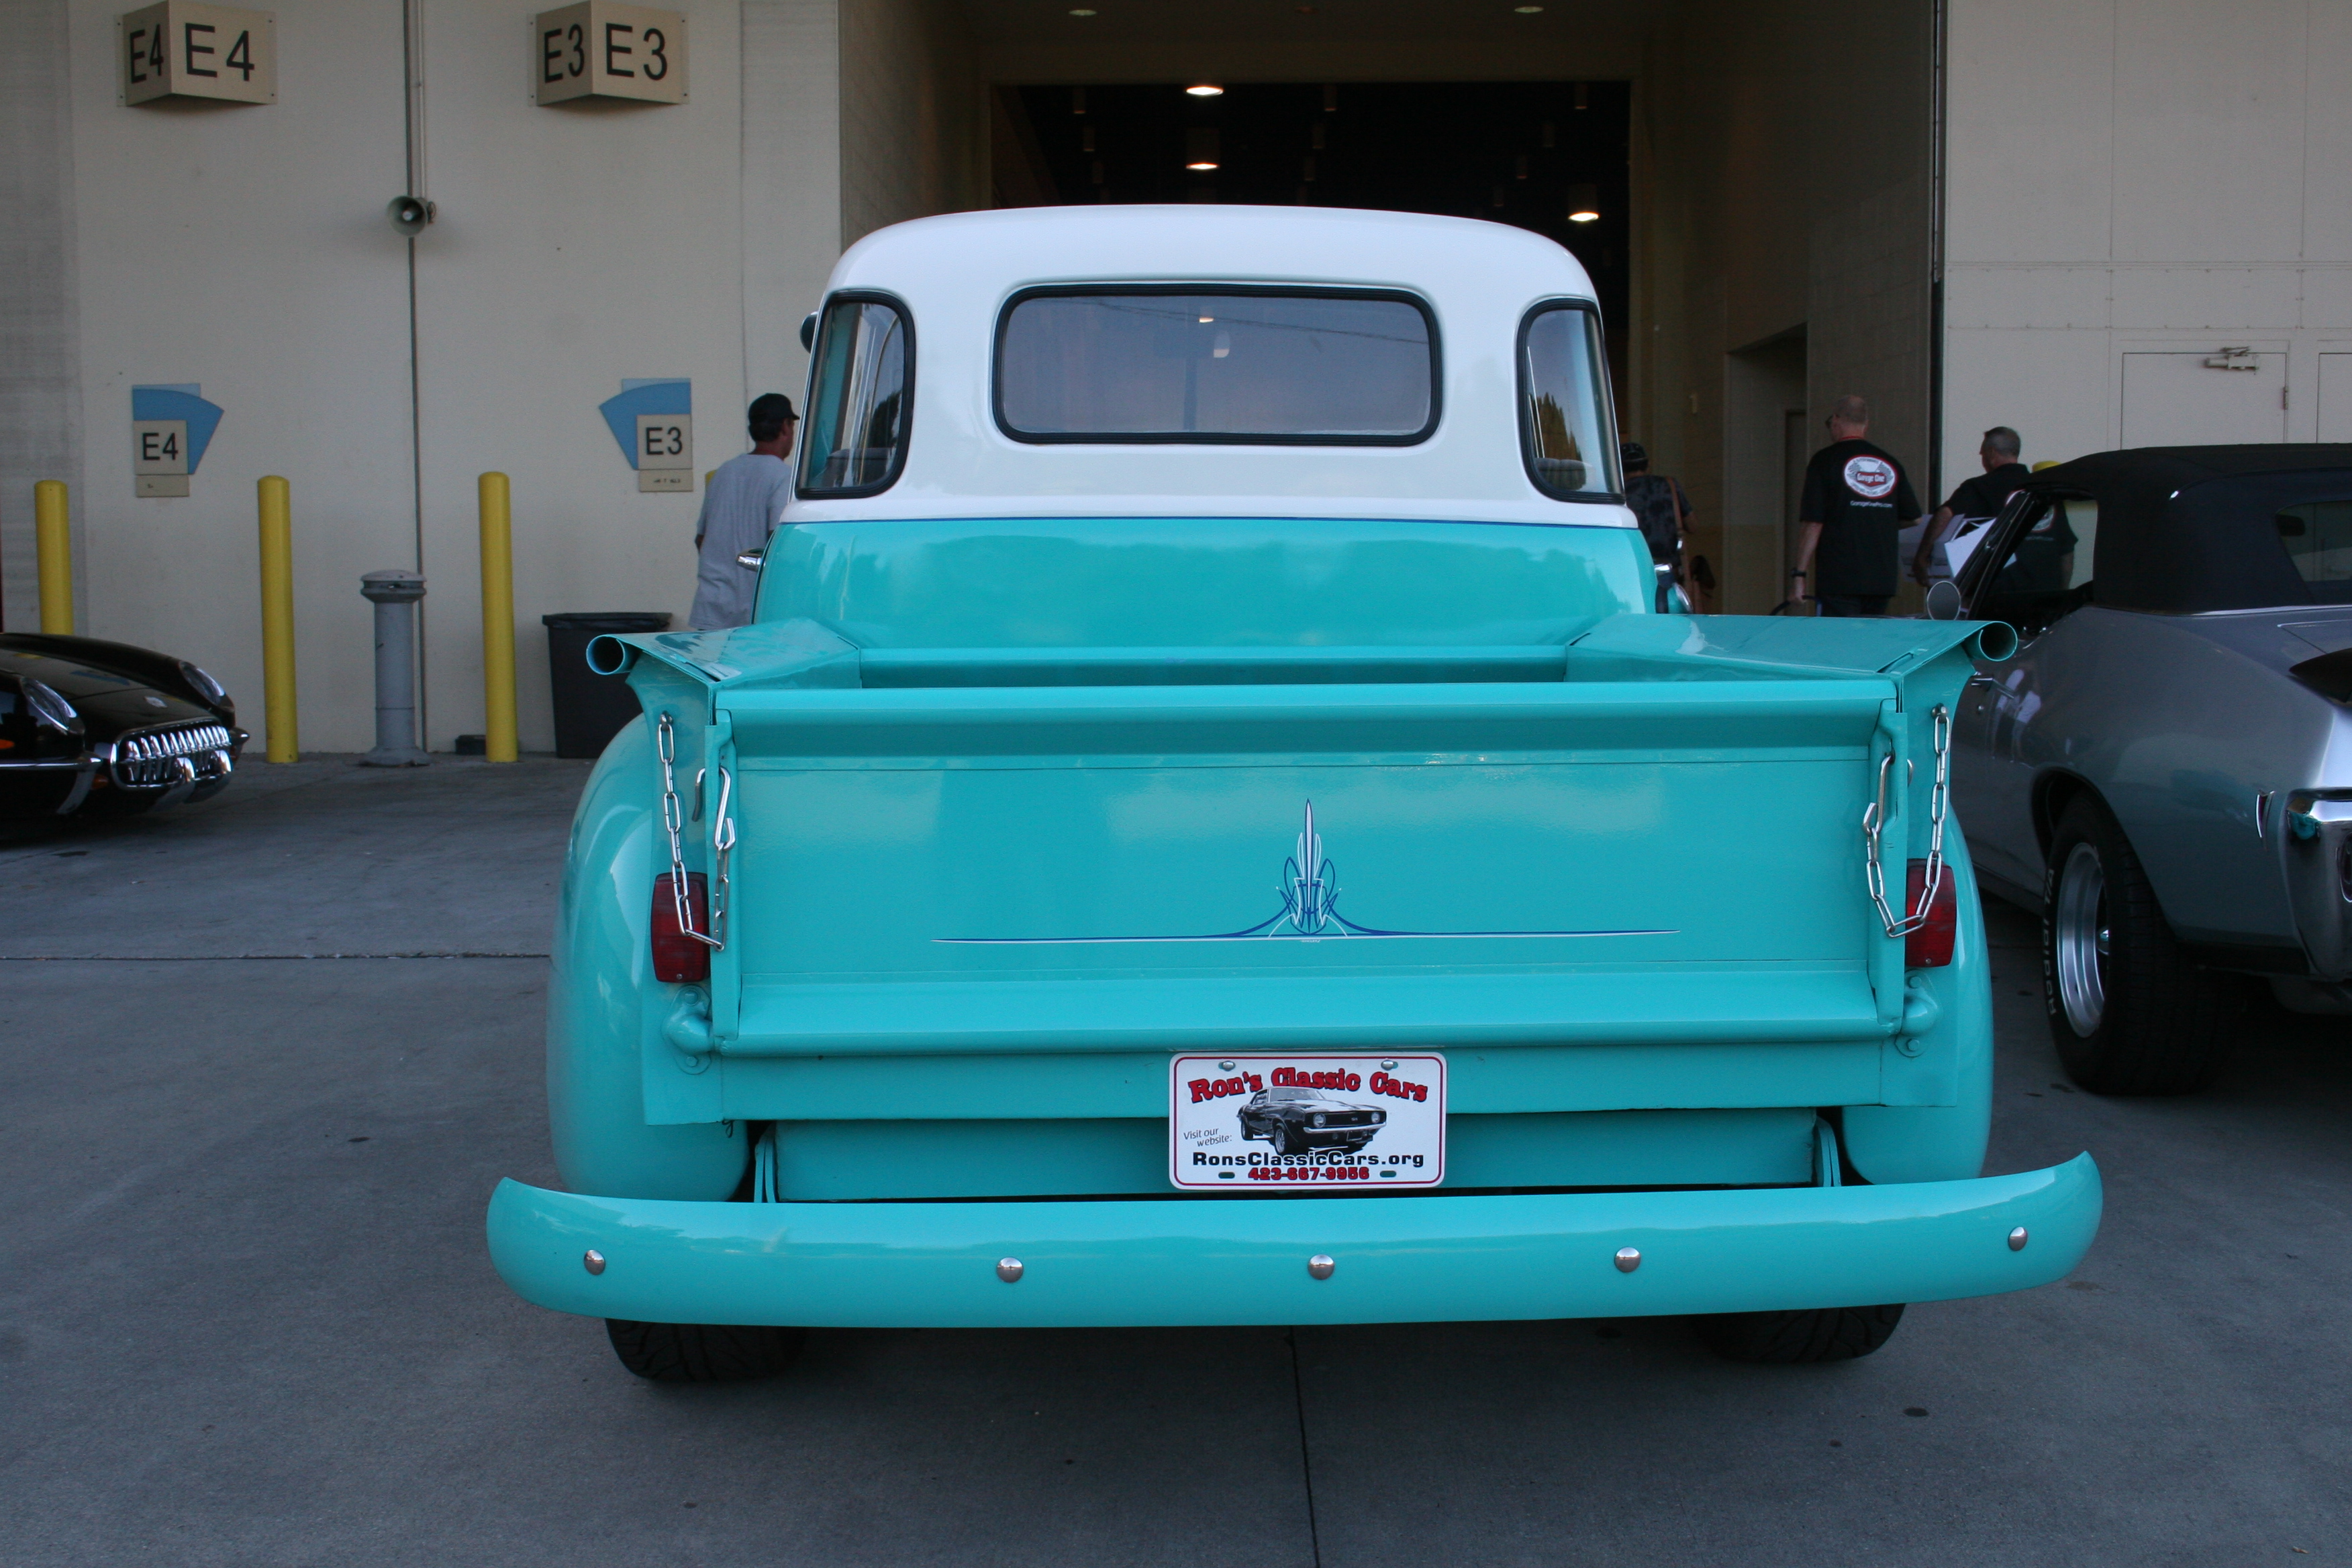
pixel 722 840
pixel 1874 824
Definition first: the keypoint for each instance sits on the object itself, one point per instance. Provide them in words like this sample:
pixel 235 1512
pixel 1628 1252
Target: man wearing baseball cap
pixel 1856 501
pixel 745 501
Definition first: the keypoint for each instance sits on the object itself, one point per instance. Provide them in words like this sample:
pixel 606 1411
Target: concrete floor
pixel 246 1316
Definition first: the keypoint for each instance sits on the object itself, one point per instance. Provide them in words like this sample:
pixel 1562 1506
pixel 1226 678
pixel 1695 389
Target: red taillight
pixel 677 957
pixel 1930 946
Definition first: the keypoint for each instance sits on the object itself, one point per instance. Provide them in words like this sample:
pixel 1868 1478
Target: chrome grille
pixel 184 752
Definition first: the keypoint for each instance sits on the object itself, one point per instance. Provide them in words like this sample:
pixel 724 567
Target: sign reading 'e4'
pixel 183 49
pixel 598 50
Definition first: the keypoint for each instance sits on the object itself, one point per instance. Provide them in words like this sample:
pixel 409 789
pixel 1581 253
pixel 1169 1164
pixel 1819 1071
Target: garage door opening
pixel 1546 156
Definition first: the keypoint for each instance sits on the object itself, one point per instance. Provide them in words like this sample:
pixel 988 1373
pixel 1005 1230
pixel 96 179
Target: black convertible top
pixel 2187 528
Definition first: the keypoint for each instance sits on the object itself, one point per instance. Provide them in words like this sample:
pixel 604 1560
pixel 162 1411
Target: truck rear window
pixel 1321 367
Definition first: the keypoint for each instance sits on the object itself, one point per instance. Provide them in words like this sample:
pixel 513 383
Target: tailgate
pixel 1088 868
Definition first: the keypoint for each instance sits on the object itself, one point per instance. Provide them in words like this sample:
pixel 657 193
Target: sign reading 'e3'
pixel 595 49
pixel 183 49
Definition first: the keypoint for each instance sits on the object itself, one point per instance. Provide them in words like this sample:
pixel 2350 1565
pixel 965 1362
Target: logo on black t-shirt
pixel 1870 477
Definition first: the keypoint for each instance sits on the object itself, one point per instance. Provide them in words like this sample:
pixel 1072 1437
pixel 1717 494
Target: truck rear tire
pixel 2128 1014
pixel 703 1353
pixel 1790 1339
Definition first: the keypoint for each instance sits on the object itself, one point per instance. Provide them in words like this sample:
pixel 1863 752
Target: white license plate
pixel 1299 1124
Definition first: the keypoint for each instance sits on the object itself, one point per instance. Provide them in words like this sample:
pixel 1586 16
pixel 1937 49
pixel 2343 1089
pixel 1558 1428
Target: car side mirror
pixel 752 558
pixel 1944 600
pixel 808 331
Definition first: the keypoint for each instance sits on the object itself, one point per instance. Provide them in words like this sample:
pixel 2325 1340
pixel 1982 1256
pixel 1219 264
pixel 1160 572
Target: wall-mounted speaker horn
pixel 409 215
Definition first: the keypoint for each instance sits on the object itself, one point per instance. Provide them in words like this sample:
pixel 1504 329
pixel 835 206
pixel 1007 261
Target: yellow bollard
pixel 285 739
pixel 54 546
pixel 498 621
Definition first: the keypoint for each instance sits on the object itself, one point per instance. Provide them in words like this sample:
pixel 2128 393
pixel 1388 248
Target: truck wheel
pixel 1787 1338
pixel 702 1352
pixel 2126 1014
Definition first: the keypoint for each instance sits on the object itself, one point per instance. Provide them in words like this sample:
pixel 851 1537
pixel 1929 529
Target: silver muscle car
pixel 2165 768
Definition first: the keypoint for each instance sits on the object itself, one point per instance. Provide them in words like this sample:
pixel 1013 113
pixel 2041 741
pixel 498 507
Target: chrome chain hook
pixel 722 837
pixel 1873 826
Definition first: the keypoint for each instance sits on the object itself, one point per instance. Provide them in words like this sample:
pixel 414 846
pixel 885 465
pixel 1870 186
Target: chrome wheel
pixel 2080 936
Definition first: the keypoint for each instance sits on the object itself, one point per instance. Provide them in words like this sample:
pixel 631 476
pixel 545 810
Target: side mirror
pixel 1944 600
pixel 752 558
pixel 808 331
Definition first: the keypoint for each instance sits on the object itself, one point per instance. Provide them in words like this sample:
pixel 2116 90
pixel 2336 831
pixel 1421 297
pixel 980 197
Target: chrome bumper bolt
pixel 2016 1239
pixel 592 1261
pixel 1009 1270
pixel 1629 1258
pixel 1321 1265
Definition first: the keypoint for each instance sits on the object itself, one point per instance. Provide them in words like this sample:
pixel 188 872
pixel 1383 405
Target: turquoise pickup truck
pixel 1208 826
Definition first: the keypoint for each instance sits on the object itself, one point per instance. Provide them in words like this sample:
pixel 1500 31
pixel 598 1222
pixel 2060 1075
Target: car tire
pixel 703 1353
pixel 1800 1337
pixel 1286 1139
pixel 2127 1013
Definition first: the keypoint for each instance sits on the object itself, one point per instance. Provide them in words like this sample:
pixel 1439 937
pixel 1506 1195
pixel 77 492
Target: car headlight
pixel 49 707
pixel 1316 1120
pixel 214 692
pixel 1379 1116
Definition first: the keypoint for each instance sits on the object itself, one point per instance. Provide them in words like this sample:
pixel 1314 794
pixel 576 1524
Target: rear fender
pixel 605 1011
pixel 1937 1143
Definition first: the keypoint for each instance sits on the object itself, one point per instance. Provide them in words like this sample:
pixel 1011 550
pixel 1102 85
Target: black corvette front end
pixel 94 729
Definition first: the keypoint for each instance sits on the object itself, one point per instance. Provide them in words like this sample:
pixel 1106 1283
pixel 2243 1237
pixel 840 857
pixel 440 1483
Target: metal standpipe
pixel 395 592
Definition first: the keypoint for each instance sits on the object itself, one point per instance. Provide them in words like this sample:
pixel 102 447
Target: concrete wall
pixel 245 249
pixel 40 401
pixel 792 181
pixel 2136 185
pixel 577 245
pixel 1782 156
pixel 914 119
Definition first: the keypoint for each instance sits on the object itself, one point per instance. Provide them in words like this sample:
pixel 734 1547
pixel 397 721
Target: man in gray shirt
pixel 745 501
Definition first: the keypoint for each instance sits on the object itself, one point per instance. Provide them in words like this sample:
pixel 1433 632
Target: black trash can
pixel 590 708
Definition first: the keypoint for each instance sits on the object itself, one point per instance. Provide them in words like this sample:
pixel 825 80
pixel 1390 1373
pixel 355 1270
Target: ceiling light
pixel 1583 203
pixel 1080 11
pixel 1201 165
pixel 1205 90
pixel 1526 10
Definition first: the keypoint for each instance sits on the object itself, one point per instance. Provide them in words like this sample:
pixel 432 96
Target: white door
pixel 2336 397
pixel 2205 399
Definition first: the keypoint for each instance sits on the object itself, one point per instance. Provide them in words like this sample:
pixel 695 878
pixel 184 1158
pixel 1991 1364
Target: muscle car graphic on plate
pixel 1297 1120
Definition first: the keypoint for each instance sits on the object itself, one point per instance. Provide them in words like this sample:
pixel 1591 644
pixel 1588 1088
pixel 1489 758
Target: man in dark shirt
pixel 1659 505
pixel 1856 501
pixel 1978 500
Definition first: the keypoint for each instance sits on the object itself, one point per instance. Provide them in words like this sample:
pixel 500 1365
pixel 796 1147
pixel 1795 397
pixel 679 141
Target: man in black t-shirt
pixel 1659 505
pixel 1977 501
pixel 1856 501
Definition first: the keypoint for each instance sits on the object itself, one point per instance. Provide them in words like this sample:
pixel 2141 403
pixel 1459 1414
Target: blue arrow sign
pixel 663 395
pixel 180 401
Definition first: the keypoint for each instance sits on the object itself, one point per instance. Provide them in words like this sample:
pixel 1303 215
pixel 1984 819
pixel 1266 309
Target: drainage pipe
pixel 395 592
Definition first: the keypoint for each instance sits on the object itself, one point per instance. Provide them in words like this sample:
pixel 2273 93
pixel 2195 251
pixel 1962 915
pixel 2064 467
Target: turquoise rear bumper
pixel 1244 1260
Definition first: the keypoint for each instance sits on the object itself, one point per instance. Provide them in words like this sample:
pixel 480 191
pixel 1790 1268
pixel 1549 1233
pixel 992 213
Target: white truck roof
pixel 956 273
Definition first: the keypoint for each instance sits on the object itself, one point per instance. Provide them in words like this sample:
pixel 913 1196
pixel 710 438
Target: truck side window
pixel 861 387
pixel 1565 430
